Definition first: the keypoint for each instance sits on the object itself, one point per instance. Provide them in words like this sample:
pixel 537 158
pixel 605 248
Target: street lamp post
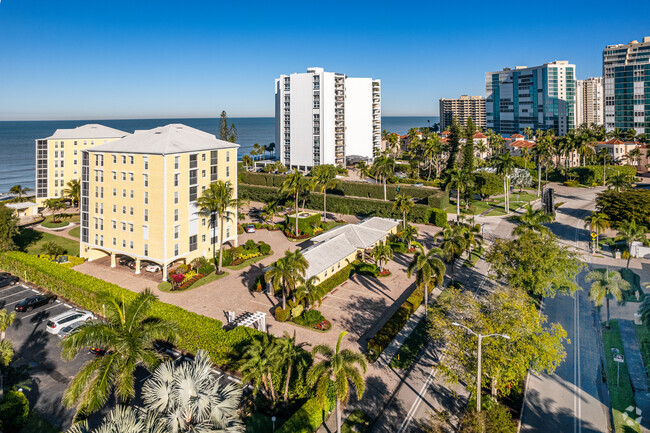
pixel 478 369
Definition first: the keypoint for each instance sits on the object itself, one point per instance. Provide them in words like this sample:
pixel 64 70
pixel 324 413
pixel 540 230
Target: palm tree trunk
pixel 296 214
pixel 426 300
pixel 270 379
pixel 539 179
pixel 338 416
pixel 220 243
pixel 493 391
pixel 325 203
pixel 385 188
pixel 604 169
pixel 457 202
pixel 607 303
pixel 403 219
pixel 629 255
pixel 214 249
pixel 286 385
pixel 284 298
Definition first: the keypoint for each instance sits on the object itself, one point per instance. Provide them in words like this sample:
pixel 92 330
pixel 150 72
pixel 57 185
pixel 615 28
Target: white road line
pixel 13 294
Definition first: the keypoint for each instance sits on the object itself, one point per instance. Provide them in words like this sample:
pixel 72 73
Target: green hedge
pixel 593 174
pixel 394 325
pixel 439 200
pixel 197 331
pixel 336 279
pixel 308 418
pixel 304 224
pixel 437 217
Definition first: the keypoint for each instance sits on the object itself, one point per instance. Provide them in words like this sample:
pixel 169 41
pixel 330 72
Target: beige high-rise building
pixel 590 103
pixel 463 107
pixel 58 157
pixel 139 196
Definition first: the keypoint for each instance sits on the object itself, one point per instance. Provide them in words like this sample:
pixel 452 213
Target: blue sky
pixel 77 59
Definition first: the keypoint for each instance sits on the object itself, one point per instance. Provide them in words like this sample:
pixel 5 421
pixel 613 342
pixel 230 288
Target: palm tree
pixel 124 419
pixel 287 272
pixel 505 165
pixel 309 292
pixel 73 191
pixel 629 232
pixel 457 180
pixel 409 234
pixel 270 211
pixel 542 154
pixel 291 355
pixel 597 223
pixel 606 284
pixel 382 252
pixel 383 167
pixel 603 153
pixel 338 369
pixel 404 204
pixel 428 269
pixel 533 220
pixel 294 185
pixel 619 181
pixel 362 166
pixel 247 161
pixel 6 320
pixel 128 337
pixel 6 355
pixel 217 202
pixel 54 205
pixel 528 132
pixel 634 155
pixel 325 179
pixel 453 245
pixel 258 366
pixel 18 189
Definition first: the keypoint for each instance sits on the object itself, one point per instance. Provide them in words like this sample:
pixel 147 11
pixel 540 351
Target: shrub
pixel 593 174
pixel 335 280
pixel 438 200
pixel 488 184
pixel 308 418
pixel 281 315
pixel 165 286
pixel 367 269
pixel 325 325
pixel 265 248
pixel 310 317
pixel 250 245
pixel 438 217
pixel 571 183
pixel 198 262
pixel 625 205
pixel 297 311
pixel 398 247
pixel 206 269
pixel 71 263
pixel 14 410
pixel 304 224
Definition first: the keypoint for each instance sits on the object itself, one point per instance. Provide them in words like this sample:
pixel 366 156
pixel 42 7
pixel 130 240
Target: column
pixel 164 271
pixel 137 266
pixel 112 260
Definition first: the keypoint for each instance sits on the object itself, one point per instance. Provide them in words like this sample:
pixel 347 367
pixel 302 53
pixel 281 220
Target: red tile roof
pixel 617 141
pixel 523 143
pixel 445 133
pixel 478 134
pixel 516 136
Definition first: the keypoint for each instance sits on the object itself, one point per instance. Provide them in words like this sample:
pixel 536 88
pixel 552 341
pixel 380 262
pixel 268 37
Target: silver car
pixel 69 330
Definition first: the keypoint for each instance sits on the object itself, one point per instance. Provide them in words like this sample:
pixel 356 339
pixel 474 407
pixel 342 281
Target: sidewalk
pixel 637 371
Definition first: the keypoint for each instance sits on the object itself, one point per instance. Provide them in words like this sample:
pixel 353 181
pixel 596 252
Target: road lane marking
pixel 13 294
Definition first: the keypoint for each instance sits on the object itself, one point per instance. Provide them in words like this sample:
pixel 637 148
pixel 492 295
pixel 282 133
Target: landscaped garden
pixel 34 242
pixel 185 277
pixel 60 220
pixel 245 255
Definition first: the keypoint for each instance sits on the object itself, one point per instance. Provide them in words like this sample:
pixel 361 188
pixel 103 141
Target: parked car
pixel 132 264
pixel 125 260
pixel 97 351
pixel 249 228
pixel 59 322
pixel 28 304
pixel 152 267
pixel 8 279
pixel 69 330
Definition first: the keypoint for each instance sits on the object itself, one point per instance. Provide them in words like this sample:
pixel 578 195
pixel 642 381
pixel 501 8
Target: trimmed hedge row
pixel 197 331
pixel 439 200
pixel 309 417
pixel 394 325
pixel 343 205
pixel 438 217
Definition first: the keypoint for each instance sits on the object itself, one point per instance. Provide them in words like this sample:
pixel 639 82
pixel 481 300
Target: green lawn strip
pixel 358 419
pixel 55 225
pixel 643 335
pixel 621 396
pixel 36 423
pixel 75 232
pixel 32 241
pixel 69 217
pixel 471 260
pixel 411 347
pixel 248 262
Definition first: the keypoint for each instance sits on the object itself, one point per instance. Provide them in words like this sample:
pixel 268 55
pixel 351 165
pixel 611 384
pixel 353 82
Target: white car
pixel 249 228
pixel 69 330
pixel 152 267
pixel 55 324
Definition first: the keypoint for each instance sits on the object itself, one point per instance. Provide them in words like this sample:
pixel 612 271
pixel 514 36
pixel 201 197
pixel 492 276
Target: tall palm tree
pixel 409 235
pixel 325 179
pixel 505 166
pixel 258 366
pixel 128 337
pixel 295 184
pixel 428 269
pixel 287 272
pixel 619 181
pixel 362 166
pixel 603 153
pixel 270 211
pixel 597 223
pixel 290 354
pixel 247 161
pixel 18 189
pixel 404 204
pixel 629 232
pixel 606 284
pixel 217 202
pixel 533 220
pixel 54 205
pixel 73 191
pixel 542 154
pixel 457 180
pixel 382 168
pixel 453 245
pixel 6 320
pixel 382 252
pixel 634 155
pixel 309 292
pixel 6 355
pixel 338 369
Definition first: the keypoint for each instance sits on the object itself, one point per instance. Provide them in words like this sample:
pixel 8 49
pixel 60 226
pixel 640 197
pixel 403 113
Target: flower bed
pixel 325 325
pixel 383 274
pixel 237 255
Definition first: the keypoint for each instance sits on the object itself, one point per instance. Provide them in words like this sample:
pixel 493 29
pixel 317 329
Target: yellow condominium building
pixel 138 195
pixel 58 158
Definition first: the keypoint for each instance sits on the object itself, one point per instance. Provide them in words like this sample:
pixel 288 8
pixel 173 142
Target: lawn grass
pixel 621 396
pixel 36 423
pixel 643 336
pixel 31 241
pixel 75 232
pixel 471 260
pixel 55 225
pixel 248 262
pixel 411 347
pixel 357 418
pixel 210 278
pixel 258 423
pixel 63 220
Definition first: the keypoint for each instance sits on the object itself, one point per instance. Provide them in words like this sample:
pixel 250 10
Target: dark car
pixel 28 304
pixel 125 261
pixel 97 351
pixel 8 279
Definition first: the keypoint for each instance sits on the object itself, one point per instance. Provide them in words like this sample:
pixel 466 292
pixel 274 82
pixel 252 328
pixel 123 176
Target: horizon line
pixel 181 117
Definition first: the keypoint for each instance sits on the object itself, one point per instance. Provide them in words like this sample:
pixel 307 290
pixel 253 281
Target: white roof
pixel 89 131
pixel 23 205
pixel 362 235
pixel 326 254
pixel 165 140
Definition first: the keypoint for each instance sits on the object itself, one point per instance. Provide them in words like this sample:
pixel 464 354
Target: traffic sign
pixel 593 235
pixel 618 358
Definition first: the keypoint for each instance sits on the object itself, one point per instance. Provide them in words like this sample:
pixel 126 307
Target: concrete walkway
pixel 637 370
pixel 390 351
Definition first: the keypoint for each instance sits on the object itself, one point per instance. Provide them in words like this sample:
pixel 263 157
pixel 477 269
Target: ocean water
pixel 17 145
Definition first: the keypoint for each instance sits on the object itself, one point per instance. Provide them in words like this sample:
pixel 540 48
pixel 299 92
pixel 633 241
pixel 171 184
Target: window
pixel 123 243
pixel 227 232
pixel 325 272
pixel 175 197
pixel 175 214
pixel 123 210
pixel 131 244
pixel 146 249
pixel 123 159
pixel 114 209
pixel 203 157
pixel 227 156
pixel 123 193
pixel 131 176
pixel 203 238
pixel 146 180
pixel 176 162
pixel 203 174
pixel 146 215
pixel 146 197
pixel 115 175
pixel 131 160
pixel 193 243
pixel 203 222
pixel 131 194
pixel 124 176
pixel 114 241
pixel 145 233
pixel 192 193
pixel 114 192
pixel 131 227
pixel 176 179
pixel 175 249
pixel 101 240
pixel 227 171
pixel 176 231
pixel 146 162
pixel 114 158
pixel 114 224
pixel 131 210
